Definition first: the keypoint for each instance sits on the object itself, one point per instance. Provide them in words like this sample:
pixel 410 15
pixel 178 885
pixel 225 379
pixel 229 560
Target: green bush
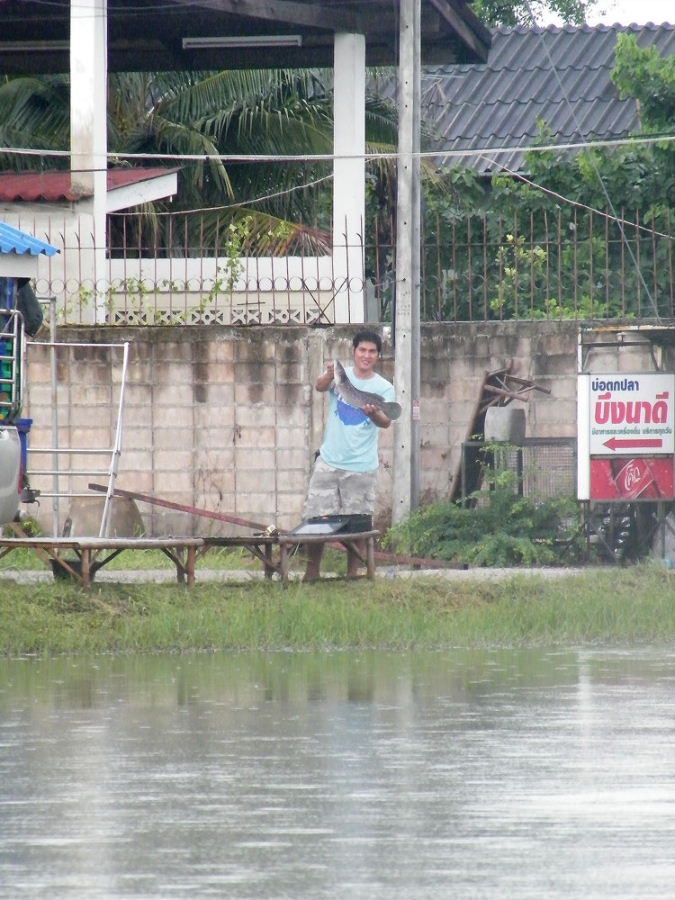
pixel 496 527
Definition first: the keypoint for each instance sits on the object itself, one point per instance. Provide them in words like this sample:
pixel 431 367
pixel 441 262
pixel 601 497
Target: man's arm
pixel 325 379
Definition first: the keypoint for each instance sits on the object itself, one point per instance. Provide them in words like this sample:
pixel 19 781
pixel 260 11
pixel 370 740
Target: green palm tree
pixel 286 206
pixel 34 113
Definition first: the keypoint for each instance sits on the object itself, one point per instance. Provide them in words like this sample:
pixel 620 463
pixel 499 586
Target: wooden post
pixel 85 567
pixel 370 557
pixel 190 565
pixel 283 561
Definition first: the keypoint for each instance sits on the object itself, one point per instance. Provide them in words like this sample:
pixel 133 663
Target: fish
pixel 354 397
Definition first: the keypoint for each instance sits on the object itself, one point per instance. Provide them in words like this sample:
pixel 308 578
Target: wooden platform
pixel 80 558
pixel 262 547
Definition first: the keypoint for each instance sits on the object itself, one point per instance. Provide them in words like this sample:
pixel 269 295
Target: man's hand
pixel 324 381
pixel 376 416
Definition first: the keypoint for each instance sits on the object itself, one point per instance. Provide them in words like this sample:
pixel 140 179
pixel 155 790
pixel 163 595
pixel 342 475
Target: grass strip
pixel 613 606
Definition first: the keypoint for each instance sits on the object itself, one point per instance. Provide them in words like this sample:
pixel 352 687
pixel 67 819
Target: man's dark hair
pixel 372 337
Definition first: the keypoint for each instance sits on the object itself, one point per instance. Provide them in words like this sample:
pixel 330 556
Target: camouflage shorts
pixel 336 491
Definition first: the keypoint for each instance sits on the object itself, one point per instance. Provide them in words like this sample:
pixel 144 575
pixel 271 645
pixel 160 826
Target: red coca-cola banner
pixel 635 478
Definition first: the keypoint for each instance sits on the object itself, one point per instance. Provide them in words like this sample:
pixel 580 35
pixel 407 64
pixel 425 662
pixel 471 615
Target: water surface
pixel 483 774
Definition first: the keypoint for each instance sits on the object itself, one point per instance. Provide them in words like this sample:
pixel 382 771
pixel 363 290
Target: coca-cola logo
pixel 632 476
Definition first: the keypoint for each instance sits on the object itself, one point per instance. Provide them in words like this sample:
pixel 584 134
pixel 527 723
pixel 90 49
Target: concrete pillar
pixel 88 141
pixel 349 186
pixel 406 486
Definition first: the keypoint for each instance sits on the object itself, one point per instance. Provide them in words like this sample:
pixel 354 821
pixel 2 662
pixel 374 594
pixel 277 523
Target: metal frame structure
pixel 58 453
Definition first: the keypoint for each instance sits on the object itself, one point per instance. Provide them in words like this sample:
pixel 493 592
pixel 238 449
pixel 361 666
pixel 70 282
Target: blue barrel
pixel 23 427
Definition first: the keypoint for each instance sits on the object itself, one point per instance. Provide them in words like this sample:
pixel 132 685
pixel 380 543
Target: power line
pixel 611 216
pixel 244 203
pixel 598 174
pixel 257 158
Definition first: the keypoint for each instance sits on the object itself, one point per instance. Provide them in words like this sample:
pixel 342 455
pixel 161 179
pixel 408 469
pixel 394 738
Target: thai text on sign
pixel 631 414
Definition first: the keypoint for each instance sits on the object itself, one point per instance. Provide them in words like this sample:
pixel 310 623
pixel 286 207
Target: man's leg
pixel 357 492
pixel 322 499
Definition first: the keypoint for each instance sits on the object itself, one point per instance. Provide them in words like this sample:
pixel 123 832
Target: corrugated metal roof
pixel 54 187
pixel 558 75
pixel 14 241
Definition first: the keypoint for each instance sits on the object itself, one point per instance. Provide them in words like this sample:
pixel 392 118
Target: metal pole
pixel 415 240
pixel 407 321
pixel 117 448
pixel 55 417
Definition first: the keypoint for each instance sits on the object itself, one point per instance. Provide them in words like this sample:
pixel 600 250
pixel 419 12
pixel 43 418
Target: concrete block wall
pixel 225 419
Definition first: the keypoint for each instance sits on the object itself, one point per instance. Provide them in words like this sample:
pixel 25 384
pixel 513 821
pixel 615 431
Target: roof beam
pixel 318 15
pixel 449 11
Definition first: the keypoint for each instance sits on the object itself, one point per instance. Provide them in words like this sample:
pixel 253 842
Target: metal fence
pixel 587 266
pixel 544 467
pixel 475 268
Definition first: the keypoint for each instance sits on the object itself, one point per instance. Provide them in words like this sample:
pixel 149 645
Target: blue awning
pixel 14 241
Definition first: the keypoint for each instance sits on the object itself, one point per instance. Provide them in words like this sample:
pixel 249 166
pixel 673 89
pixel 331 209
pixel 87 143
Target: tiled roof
pixel 558 75
pixel 54 187
pixel 14 241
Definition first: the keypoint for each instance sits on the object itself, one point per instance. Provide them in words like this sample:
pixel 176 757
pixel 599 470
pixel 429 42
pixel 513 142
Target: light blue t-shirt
pixel 350 438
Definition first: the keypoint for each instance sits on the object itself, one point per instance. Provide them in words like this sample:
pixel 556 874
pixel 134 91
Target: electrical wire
pixel 256 159
pixel 611 217
pixel 479 154
pixel 597 173
pixel 243 203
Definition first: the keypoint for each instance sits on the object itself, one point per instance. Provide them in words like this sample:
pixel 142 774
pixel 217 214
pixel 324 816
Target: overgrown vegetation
pixel 582 235
pixel 612 605
pixel 496 527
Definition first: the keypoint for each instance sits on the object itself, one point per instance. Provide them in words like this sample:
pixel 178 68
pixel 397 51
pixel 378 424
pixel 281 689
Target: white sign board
pixel 630 415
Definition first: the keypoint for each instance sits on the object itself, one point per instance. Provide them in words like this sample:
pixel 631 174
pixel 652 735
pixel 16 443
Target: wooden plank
pixel 181 507
pixel 491 389
pixel 335 537
pixel 96 543
pixel 299 14
pixel 529 384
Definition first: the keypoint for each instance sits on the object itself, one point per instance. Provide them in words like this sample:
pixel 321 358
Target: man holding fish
pixel 344 477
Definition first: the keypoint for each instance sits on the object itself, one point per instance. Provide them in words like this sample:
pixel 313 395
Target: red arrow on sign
pixel 635 443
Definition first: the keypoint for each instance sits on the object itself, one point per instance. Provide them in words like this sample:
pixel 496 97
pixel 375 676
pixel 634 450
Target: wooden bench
pixel 348 540
pixel 181 551
pixel 93 553
pixel 262 547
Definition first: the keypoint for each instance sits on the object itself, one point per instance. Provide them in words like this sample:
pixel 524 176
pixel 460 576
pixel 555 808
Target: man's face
pixel 365 356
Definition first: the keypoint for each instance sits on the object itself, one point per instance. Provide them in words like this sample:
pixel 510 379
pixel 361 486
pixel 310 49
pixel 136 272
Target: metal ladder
pixel 58 453
pixel 12 342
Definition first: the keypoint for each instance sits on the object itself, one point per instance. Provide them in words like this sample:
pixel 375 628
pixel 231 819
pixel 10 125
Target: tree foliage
pixel 537 245
pixel 286 205
pixel 649 78
pixel 530 12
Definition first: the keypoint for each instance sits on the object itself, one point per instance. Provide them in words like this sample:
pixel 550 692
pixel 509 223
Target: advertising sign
pixel 631 414
pixel 635 478
pixel 626 436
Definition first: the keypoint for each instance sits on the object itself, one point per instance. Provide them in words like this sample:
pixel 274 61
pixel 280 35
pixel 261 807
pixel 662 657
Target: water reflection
pixel 496 774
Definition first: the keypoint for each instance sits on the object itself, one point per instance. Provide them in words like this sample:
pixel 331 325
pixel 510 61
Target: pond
pixel 487 774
